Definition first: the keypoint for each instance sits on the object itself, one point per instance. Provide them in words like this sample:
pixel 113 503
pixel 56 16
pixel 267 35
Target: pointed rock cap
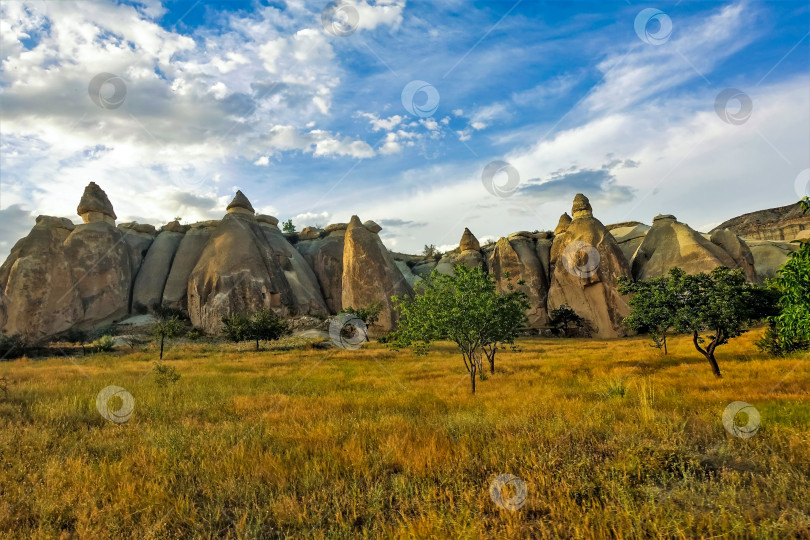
pixel 664 217
pixel 469 241
pixel 240 202
pixel 582 206
pixel 94 200
pixel 372 226
pixel 355 223
pixel 562 225
pixel 269 220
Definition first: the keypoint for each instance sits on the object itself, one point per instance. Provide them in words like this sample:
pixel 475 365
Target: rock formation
pixel 670 243
pixel 517 256
pixel 585 263
pixel 64 276
pixel 370 275
pixel 782 223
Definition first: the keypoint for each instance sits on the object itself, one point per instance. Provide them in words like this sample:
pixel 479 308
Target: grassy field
pixel 610 438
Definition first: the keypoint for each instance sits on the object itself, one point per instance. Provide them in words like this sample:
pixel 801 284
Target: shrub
pixel 105 343
pixel 11 346
pixel 369 314
pixel 165 375
pixel 566 322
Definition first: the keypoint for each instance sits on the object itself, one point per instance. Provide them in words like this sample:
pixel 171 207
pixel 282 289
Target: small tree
pixel 458 308
pixel 653 305
pixel 265 325
pixel 721 303
pixel 257 326
pixel 77 336
pixel 507 318
pixel 165 328
pixel 431 252
pixel 563 318
pixel 288 226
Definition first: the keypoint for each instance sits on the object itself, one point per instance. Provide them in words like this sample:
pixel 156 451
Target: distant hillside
pixel 782 223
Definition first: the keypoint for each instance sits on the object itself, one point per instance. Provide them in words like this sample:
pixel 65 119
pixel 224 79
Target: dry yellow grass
pixel 611 439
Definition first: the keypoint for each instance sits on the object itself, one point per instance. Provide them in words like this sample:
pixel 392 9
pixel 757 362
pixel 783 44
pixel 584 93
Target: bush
pixel 195 333
pixel 165 375
pixel 263 325
pixel 369 314
pixel 11 346
pixel 105 343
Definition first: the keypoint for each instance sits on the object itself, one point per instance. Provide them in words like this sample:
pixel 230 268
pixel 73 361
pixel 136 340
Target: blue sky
pixel 260 96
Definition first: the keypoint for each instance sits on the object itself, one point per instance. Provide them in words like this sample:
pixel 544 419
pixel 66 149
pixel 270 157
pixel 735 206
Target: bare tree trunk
pixel 708 352
pixel 162 337
pixel 665 344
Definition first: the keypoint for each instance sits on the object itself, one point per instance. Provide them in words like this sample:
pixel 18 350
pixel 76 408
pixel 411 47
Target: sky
pixel 426 117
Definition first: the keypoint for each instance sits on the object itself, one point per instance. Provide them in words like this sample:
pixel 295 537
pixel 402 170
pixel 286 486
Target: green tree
pixel 790 330
pixel 262 325
pixel 165 328
pixel 562 319
pixel 720 303
pixel 463 308
pixel 265 325
pixel 653 305
pixel 507 319
pixel 288 226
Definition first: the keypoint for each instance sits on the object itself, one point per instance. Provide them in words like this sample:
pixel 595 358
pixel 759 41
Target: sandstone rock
pixel 670 243
pixel 622 225
pixel 309 233
pixel 469 241
pixel 151 279
pixel 585 263
pixel 268 220
pixel 543 235
pixel 137 238
pixel 446 264
pixel 175 291
pixel 520 234
pixel 470 258
pixel 769 255
pixel 581 206
pixel 562 225
pixel 95 206
pixel 240 203
pixel 306 293
pixel 406 272
pixel 335 227
pixel 543 248
pixel 423 269
pixel 780 224
pixel 802 236
pixel 739 252
pixel 99 259
pixel 39 295
pixel 237 272
pixel 175 226
pixel 372 226
pixel 370 275
pixel 630 238
pixel 325 257
pixel 518 257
